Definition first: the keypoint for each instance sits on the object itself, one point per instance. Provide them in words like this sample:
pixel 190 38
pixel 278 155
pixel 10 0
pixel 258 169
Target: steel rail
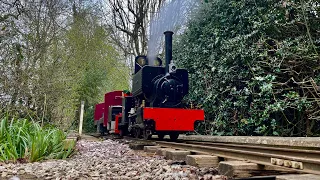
pixel 315 154
pixel 285 158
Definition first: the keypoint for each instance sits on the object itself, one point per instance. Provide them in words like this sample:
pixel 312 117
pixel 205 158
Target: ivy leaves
pixel 250 66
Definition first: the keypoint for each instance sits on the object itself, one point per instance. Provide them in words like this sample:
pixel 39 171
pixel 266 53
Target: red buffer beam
pixel 173 119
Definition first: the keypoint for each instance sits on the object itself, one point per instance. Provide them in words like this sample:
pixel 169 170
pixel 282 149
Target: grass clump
pixel 26 141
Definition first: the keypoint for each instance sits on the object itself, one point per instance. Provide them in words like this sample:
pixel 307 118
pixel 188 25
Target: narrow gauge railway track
pixel 300 160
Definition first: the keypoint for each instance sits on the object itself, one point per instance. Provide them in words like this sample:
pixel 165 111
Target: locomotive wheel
pixel 101 129
pixel 132 133
pixel 174 136
pixel 122 132
pixel 137 133
pixel 146 136
pixel 161 136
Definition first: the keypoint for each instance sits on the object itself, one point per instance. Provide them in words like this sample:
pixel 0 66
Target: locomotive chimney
pixel 168 48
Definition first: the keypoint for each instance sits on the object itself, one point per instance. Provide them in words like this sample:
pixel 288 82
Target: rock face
pixel 106 160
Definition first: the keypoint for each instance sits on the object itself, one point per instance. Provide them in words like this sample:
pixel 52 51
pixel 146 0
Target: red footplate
pixel 172 119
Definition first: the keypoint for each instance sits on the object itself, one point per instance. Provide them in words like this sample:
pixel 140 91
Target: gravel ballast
pixel 107 159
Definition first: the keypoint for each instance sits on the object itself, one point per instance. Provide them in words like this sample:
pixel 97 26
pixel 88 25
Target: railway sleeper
pixel 241 170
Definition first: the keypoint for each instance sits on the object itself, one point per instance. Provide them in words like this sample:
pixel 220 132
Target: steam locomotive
pixel 155 104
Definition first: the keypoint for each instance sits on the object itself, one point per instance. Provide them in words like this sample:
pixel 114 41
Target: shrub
pixel 254 66
pixel 22 140
pixel 88 124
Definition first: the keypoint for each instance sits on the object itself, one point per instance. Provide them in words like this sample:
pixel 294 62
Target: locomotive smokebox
pixel 168 48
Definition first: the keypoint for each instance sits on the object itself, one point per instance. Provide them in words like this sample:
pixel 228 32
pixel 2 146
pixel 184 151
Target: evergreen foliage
pixel 88 121
pixel 254 66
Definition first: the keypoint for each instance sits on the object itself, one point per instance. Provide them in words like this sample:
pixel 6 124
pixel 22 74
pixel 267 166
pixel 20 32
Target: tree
pixel 29 28
pixel 55 54
pixel 128 24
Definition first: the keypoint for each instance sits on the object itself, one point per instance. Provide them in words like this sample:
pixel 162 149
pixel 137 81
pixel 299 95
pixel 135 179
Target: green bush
pixel 23 140
pixel 254 66
pixel 88 124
